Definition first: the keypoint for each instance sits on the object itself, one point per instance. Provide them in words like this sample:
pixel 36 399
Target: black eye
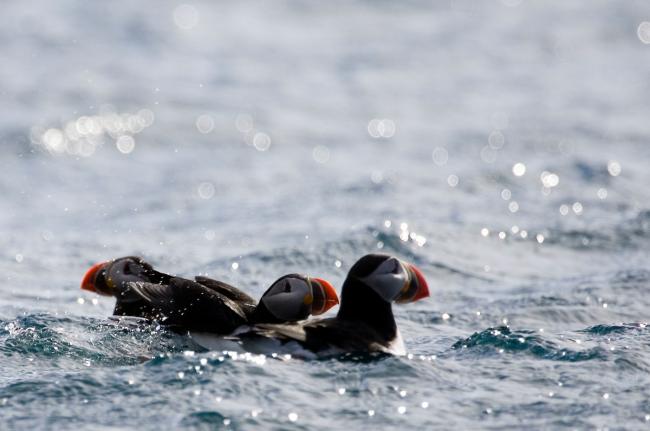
pixel 287 287
pixel 392 266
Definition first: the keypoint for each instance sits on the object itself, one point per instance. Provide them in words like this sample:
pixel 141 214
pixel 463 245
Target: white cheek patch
pixel 288 306
pixel 388 279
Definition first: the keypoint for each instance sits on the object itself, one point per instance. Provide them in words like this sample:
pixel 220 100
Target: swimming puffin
pixel 205 304
pixel 364 323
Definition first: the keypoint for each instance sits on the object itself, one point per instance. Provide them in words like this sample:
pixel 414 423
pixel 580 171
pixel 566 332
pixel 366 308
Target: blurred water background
pixel 501 146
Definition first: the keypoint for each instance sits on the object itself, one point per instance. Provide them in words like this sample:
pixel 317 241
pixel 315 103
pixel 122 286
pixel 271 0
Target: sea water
pixel 500 146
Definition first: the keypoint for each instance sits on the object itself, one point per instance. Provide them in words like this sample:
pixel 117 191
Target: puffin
pixel 365 321
pixel 204 304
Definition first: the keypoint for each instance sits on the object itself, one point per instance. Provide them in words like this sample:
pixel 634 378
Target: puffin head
pixel 389 278
pixel 294 297
pixel 103 278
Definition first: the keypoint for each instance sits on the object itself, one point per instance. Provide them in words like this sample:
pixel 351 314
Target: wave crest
pixel 502 339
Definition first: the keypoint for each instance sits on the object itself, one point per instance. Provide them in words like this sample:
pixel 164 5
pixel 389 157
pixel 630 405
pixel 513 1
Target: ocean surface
pixel 501 146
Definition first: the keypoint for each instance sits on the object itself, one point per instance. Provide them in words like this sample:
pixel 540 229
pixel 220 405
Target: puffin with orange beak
pixel 204 304
pixel 365 321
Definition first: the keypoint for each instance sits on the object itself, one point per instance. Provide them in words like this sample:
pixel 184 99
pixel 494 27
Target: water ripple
pixel 502 339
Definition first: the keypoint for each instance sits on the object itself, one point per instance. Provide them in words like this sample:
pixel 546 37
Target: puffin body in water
pixel 365 321
pixel 204 304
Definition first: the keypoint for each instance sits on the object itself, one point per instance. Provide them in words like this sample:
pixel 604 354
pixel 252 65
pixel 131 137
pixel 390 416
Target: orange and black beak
pixel 94 280
pixel 325 296
pixel 416 288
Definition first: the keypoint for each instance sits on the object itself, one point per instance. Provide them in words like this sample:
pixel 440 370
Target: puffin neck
pixel 360 303
pixel 261 314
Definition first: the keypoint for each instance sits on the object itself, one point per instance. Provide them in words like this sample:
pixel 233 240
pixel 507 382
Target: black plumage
pixel 365 321
pixel 203 304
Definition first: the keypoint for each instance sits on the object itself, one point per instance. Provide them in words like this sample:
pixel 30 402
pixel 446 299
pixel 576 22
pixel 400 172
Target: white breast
pixel 215 342
pixel 258 345
pixel 269 346
pixel 396 347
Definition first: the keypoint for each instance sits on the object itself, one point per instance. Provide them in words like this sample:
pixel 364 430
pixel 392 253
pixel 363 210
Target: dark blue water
pixel 501 146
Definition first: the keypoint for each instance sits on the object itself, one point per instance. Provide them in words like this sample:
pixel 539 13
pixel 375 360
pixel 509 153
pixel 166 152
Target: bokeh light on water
pixel 81 136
